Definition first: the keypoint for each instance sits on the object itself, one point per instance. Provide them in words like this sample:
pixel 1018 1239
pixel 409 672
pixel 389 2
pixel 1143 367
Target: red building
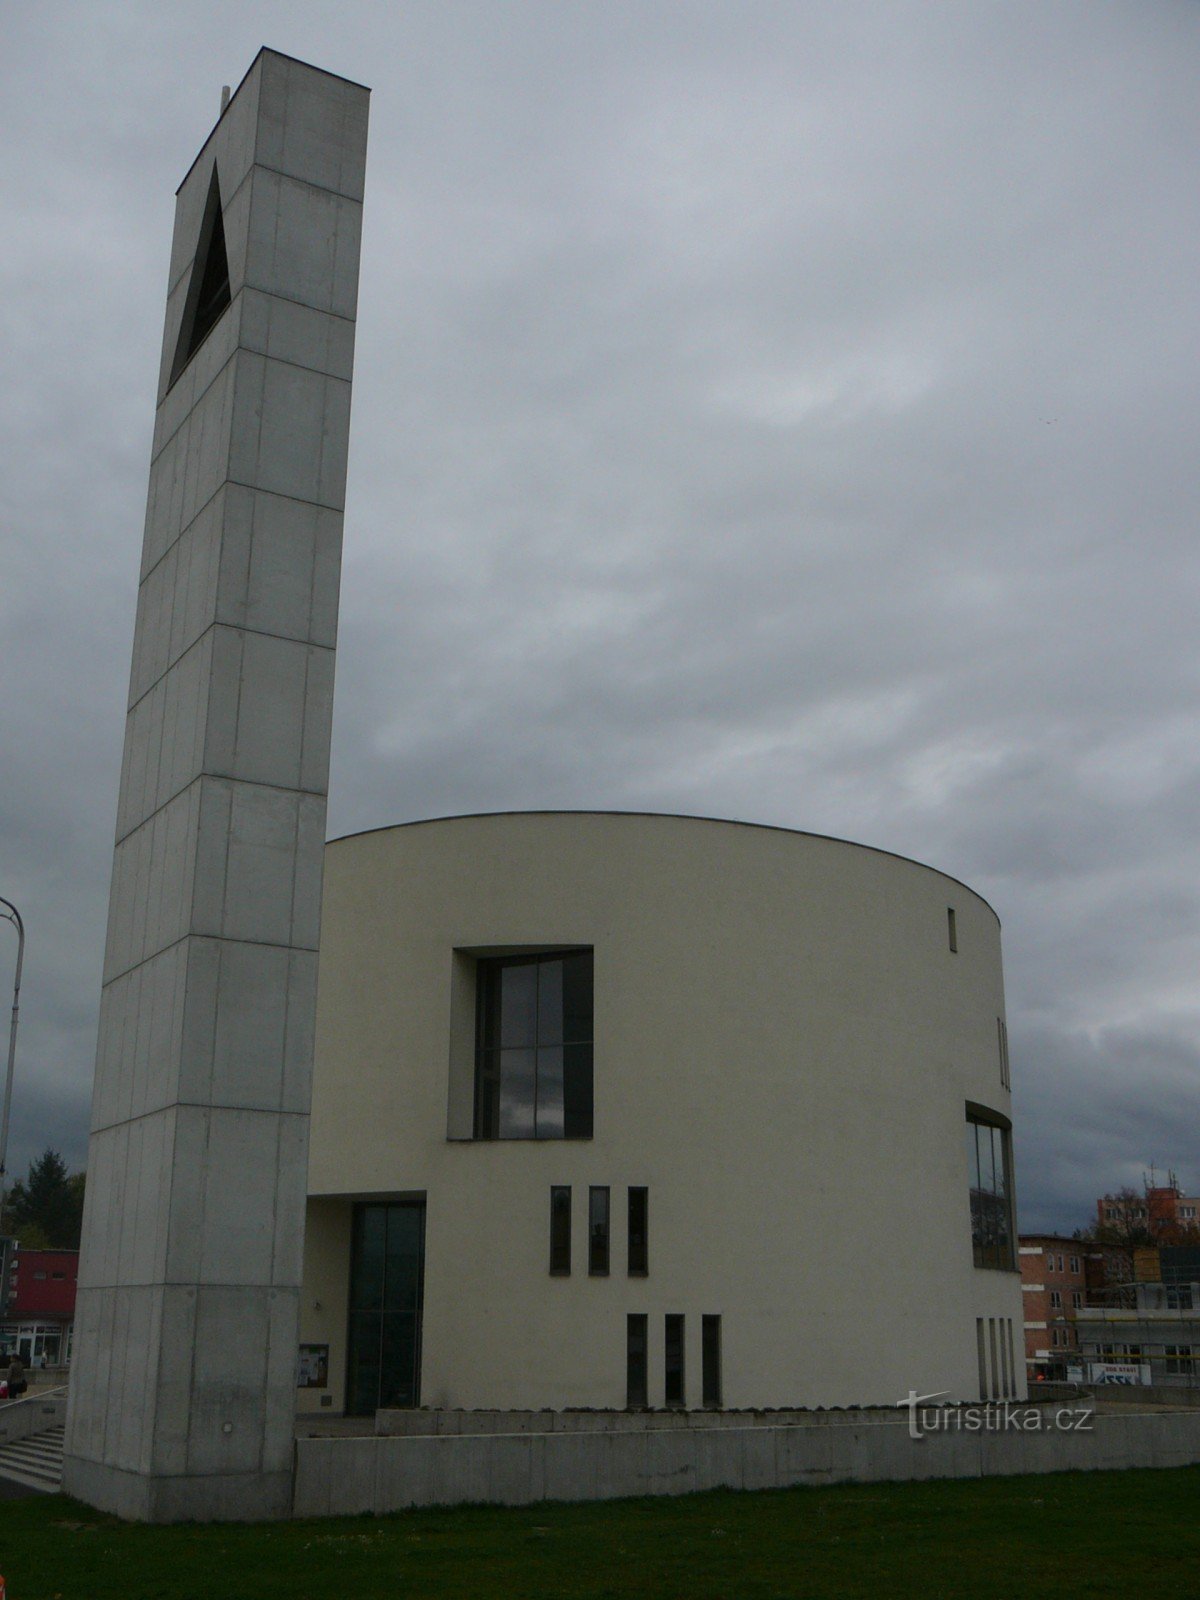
pixel 40 1315
pixel 1057 1276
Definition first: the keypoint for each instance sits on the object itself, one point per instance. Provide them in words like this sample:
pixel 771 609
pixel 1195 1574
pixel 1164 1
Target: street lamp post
pixel 10 914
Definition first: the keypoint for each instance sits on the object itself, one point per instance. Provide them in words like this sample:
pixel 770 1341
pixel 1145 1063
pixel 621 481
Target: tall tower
pixel 183 1383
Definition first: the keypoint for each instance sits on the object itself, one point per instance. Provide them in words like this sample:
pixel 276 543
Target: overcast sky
pixel 776 411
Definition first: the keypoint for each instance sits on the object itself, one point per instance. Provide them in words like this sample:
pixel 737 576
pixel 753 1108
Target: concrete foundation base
pixel 246 1497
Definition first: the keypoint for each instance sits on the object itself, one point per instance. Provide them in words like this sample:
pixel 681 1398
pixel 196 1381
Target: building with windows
pixel 615 1110
pixel 1160 1213
pixel 39 1317
pixel 1060 1279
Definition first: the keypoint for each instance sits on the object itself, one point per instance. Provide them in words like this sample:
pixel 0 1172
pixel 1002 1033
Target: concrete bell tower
pixel 183 1384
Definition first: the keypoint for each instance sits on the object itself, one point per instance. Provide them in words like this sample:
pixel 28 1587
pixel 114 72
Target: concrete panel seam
pixel 305 305
pixel 297 499
pixel 187 416
pixel 271 944
pixel 186 527
pixel 221 777
pixel 234 627
pixel 242 349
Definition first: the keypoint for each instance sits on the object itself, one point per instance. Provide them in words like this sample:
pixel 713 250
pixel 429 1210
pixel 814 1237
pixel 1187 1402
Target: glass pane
pixel 1004 1251
pixel 362 1364
pixel 560 1229
pixel 976 1196
pixel 598 1231
pixel 518 1004
pixel 987 1175
pixel 635 1359
pixel 398 1377
pixel 402 1287
pixel 674 1361
pixel 577 997
pixel 577 1091
pixel 487 977
pixel 487 1097
pixel 516 1094
pixel 366 1288
pixel 639 1259
pixel 1000 1185
pixel 550 1093
pixel 710 1329
pixel 550 1002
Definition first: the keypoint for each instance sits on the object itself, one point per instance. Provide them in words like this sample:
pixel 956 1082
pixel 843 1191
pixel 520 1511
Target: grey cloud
pixel 786 413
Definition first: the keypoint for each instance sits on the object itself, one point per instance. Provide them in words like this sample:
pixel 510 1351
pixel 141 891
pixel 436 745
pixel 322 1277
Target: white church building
pixel 622 1111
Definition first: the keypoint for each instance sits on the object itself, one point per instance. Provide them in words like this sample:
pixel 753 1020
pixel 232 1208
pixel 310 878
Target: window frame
pixel 637 1361
pixel 637 1257
pixel 675 1375
pixel 711 1390
pixel 560 1235
pixel 487 1080
pixel 599 1236
pixel 978 1116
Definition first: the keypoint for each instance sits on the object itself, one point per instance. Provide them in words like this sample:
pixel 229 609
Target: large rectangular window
pixel 988 1177
pixel 639 1232
pixel 710 1360
pixel 674 1390
pixel 387 1265
pixel 560 1231
pixel 635 1361
pixel 598 1232
pixel 533 1055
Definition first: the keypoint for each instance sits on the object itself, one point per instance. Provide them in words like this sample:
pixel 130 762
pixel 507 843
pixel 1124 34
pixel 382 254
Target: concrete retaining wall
pixel 395 1424
pixel 338 1476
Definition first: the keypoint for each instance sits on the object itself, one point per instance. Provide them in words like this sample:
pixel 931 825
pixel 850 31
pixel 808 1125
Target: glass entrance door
pixel 387 1272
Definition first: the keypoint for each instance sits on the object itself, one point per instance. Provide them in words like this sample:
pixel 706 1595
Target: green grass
pixel 1087 1534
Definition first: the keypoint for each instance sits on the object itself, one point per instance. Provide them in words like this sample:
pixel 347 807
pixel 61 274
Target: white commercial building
pixel 619 1110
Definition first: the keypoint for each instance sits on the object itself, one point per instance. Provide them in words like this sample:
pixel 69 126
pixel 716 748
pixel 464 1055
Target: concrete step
pixel 35 1462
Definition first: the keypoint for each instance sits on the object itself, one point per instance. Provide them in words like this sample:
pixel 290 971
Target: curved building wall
pixel 785 1049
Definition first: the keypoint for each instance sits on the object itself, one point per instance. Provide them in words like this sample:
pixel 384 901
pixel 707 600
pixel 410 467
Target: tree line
pixel 44 1211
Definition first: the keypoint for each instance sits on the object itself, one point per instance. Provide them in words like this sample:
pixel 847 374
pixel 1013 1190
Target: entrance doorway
pixel 387 1275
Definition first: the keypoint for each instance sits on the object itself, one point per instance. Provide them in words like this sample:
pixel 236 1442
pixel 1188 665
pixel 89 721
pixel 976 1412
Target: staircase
pixel 35 1461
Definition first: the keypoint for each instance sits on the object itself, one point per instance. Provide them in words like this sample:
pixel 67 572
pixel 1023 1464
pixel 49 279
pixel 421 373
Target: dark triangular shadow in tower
pixel 208 292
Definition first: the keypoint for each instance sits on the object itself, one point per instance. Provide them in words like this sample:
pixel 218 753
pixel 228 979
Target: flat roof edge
pixel 263 50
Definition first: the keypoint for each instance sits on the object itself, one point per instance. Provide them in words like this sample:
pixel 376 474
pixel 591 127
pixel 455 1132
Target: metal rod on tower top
pixel 14 916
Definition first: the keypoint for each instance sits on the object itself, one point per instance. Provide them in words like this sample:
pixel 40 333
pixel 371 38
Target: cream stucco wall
pixel 784 1049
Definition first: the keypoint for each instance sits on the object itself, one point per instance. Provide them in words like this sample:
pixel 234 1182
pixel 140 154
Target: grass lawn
pixel 1089 1534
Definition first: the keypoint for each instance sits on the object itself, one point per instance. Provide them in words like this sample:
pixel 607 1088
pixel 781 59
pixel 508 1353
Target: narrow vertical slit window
pixel 674 1391
pixel 1005 1389
pixel 995 1393
pixel 980 1358
pixel 560 1230
pixel 636 1366
pixel 710 1356
pixel 1002 1037
pixel 639 1232
pixel 952 928
pixel 598 1232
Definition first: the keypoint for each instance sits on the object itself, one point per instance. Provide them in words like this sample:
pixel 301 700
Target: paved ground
pixel 14 1491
